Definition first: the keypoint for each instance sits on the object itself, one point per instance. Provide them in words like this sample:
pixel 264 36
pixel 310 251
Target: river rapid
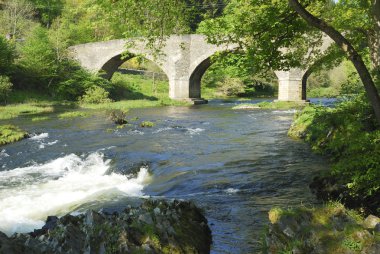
pixel 235 164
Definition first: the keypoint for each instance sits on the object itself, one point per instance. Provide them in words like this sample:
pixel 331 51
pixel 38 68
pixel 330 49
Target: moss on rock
pixel 327 229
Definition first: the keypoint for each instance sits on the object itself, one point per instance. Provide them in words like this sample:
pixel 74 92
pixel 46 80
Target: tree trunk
pixel 374 39
pixel 304 82
pixel 349 51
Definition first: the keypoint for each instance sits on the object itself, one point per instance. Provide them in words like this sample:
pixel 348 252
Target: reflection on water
pixel 235 164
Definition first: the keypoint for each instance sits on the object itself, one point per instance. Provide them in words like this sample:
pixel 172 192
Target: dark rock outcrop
pixel 153 227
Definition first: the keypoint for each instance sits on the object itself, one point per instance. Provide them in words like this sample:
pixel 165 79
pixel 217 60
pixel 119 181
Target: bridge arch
pixel 113 64
pixel 184 59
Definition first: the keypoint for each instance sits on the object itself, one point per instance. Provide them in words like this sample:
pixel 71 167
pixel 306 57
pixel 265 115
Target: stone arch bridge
pixel 184 59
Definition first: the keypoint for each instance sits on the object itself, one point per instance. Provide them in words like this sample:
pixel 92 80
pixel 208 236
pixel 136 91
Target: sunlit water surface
pixel 235 164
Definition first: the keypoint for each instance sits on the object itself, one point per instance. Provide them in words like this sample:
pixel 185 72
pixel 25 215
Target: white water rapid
pixel 28 195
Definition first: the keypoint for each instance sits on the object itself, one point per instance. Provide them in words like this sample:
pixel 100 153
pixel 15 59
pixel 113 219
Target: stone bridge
pixel 184 59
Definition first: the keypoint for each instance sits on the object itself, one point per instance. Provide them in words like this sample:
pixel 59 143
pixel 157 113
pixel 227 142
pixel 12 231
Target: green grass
pixel 40 118
pixel 128 104
pixel 16 110
pixel 73 114
pixel 147 124
pixel 10 134
pixel 272 105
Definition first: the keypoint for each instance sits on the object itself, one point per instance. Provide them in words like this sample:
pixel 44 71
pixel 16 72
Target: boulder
pixel 142 229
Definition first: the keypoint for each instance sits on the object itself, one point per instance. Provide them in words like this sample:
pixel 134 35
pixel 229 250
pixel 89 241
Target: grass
pixel 73 114
pixel 40 118
pixel 147 124
pixel 272 105
pixel 16 110
pixel 10 134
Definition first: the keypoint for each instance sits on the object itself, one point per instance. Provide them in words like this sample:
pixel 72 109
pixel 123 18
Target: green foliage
pixel 73 114
pixel 95 94
pixel 37 61
pixel 5 88
pixel 147 124
pixel 10 134
pixel 351 244
pixel 350 135
pixel 16 18
pixel 230 86
pixel 47 10
pixel 7 55
pixel 118 117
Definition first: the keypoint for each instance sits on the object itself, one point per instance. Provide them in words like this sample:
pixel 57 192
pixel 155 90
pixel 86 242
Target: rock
pixel 93 218
pixel 146 218
pixel 371 221
pixel 135 229
pixel 305 230
pixel 377 228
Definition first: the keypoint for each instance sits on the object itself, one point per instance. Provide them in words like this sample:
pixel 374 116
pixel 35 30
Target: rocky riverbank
pixel 153 227
pixel 329 229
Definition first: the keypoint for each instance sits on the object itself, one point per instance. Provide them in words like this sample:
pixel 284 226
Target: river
pixel 235 164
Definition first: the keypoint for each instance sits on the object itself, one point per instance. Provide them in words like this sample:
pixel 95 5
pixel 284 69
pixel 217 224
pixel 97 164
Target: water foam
pixel 28 195
pixel 40 136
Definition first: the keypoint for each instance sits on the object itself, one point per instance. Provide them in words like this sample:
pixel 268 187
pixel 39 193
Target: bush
pixel 349 134
pixel 118 117
pixel 95 94
pixel 5 88
pixel 231 86
pixel 6 56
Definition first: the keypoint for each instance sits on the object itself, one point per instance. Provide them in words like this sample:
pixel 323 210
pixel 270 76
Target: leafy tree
pixel 16 17
pixel 5 88
pixel 47 10
pixel 6 56
pixel 38 60
pixel 265 28
pixel 349 50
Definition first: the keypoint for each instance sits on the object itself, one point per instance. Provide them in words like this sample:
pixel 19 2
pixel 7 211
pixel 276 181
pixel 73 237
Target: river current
pixel 234 164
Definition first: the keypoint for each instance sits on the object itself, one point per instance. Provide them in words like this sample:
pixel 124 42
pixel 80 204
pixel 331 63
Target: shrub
pixel 350 135
pixel 231 86
pixel 95 94
pixel 5 88
pixel 118 117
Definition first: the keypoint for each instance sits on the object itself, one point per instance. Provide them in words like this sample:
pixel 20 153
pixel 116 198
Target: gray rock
pixel 371 221
pixel 146 218
pixel 377 228
pixel 157 211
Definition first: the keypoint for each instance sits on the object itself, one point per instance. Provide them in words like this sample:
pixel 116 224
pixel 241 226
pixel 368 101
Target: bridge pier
pixel 290 86
pixel 184 59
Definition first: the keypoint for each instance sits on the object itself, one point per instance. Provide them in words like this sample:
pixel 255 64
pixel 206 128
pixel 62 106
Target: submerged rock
pixel 329 229
pixel 153 227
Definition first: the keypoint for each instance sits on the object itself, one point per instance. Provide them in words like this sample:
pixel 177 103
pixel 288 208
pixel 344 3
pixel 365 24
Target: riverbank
pixel 349 135
pixel 328 229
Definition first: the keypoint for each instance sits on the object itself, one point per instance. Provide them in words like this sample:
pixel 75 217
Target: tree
pixel 6 56
pixel 348 49
pixel 265 28
pixel 38 60
pixel 47 10
pixel 16 16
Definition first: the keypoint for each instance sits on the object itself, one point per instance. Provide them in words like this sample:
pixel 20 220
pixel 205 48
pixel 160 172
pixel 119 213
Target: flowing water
pixel 235 164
